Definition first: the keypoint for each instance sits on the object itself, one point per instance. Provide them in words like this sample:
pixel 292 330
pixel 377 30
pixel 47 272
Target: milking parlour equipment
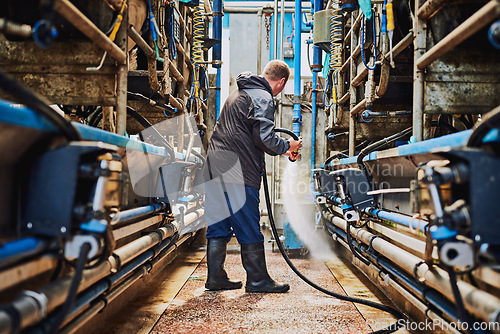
pixel 410 187
pixel 102 112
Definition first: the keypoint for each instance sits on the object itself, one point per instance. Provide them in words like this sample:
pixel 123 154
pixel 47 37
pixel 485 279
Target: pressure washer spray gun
pixel 295 154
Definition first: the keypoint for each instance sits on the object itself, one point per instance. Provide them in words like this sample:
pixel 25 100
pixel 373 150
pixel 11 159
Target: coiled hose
pixel 197 52
pixel 335 37
pixel 394 327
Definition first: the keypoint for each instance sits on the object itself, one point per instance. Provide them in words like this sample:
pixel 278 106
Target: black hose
pixel 353 249
pixel 394 327
pixel 31 99
pixel 73 289
pixel 338 155
pixel 462 313
pixel 288 132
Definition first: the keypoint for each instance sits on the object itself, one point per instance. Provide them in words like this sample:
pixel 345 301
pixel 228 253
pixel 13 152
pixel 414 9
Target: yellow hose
pixel 335 37
pixel 197 51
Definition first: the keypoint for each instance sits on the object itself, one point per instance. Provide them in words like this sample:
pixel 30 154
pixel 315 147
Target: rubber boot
pixel 258 279
pixel 217 276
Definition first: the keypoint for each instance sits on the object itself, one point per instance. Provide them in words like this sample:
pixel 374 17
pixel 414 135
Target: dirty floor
pixel 180 303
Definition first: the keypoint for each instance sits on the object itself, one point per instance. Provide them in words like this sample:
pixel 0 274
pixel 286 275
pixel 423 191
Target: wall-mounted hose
pixel 336 37
pixel 336 41
pixel 197 51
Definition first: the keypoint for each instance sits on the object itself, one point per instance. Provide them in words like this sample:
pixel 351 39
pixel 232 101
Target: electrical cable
pixel 73 289
pixel 394 327
pixel 37 103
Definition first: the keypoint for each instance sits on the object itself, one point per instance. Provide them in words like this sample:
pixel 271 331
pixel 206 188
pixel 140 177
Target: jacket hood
pixel 248 80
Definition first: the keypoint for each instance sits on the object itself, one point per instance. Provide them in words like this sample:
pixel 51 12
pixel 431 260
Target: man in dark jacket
pixel 243 133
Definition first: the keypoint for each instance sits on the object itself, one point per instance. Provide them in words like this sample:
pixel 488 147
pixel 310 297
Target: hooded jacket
pixel 246 127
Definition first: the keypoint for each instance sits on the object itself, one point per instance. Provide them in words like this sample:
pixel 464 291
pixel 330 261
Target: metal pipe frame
pixel 429 8
pixel 150 53
pixel 89 29
pixel 469 27
pixel 296 68
pixel 240 10
pixel 419 46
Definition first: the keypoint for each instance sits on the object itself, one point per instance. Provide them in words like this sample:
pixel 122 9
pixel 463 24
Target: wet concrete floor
pixel 179 302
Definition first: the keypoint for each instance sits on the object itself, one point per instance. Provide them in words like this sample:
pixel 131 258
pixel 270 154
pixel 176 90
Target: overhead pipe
pixel 479 303
pixel 121 100
pixel 33 306
pixel 297 118
pixel 243 10
pixel 217 51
